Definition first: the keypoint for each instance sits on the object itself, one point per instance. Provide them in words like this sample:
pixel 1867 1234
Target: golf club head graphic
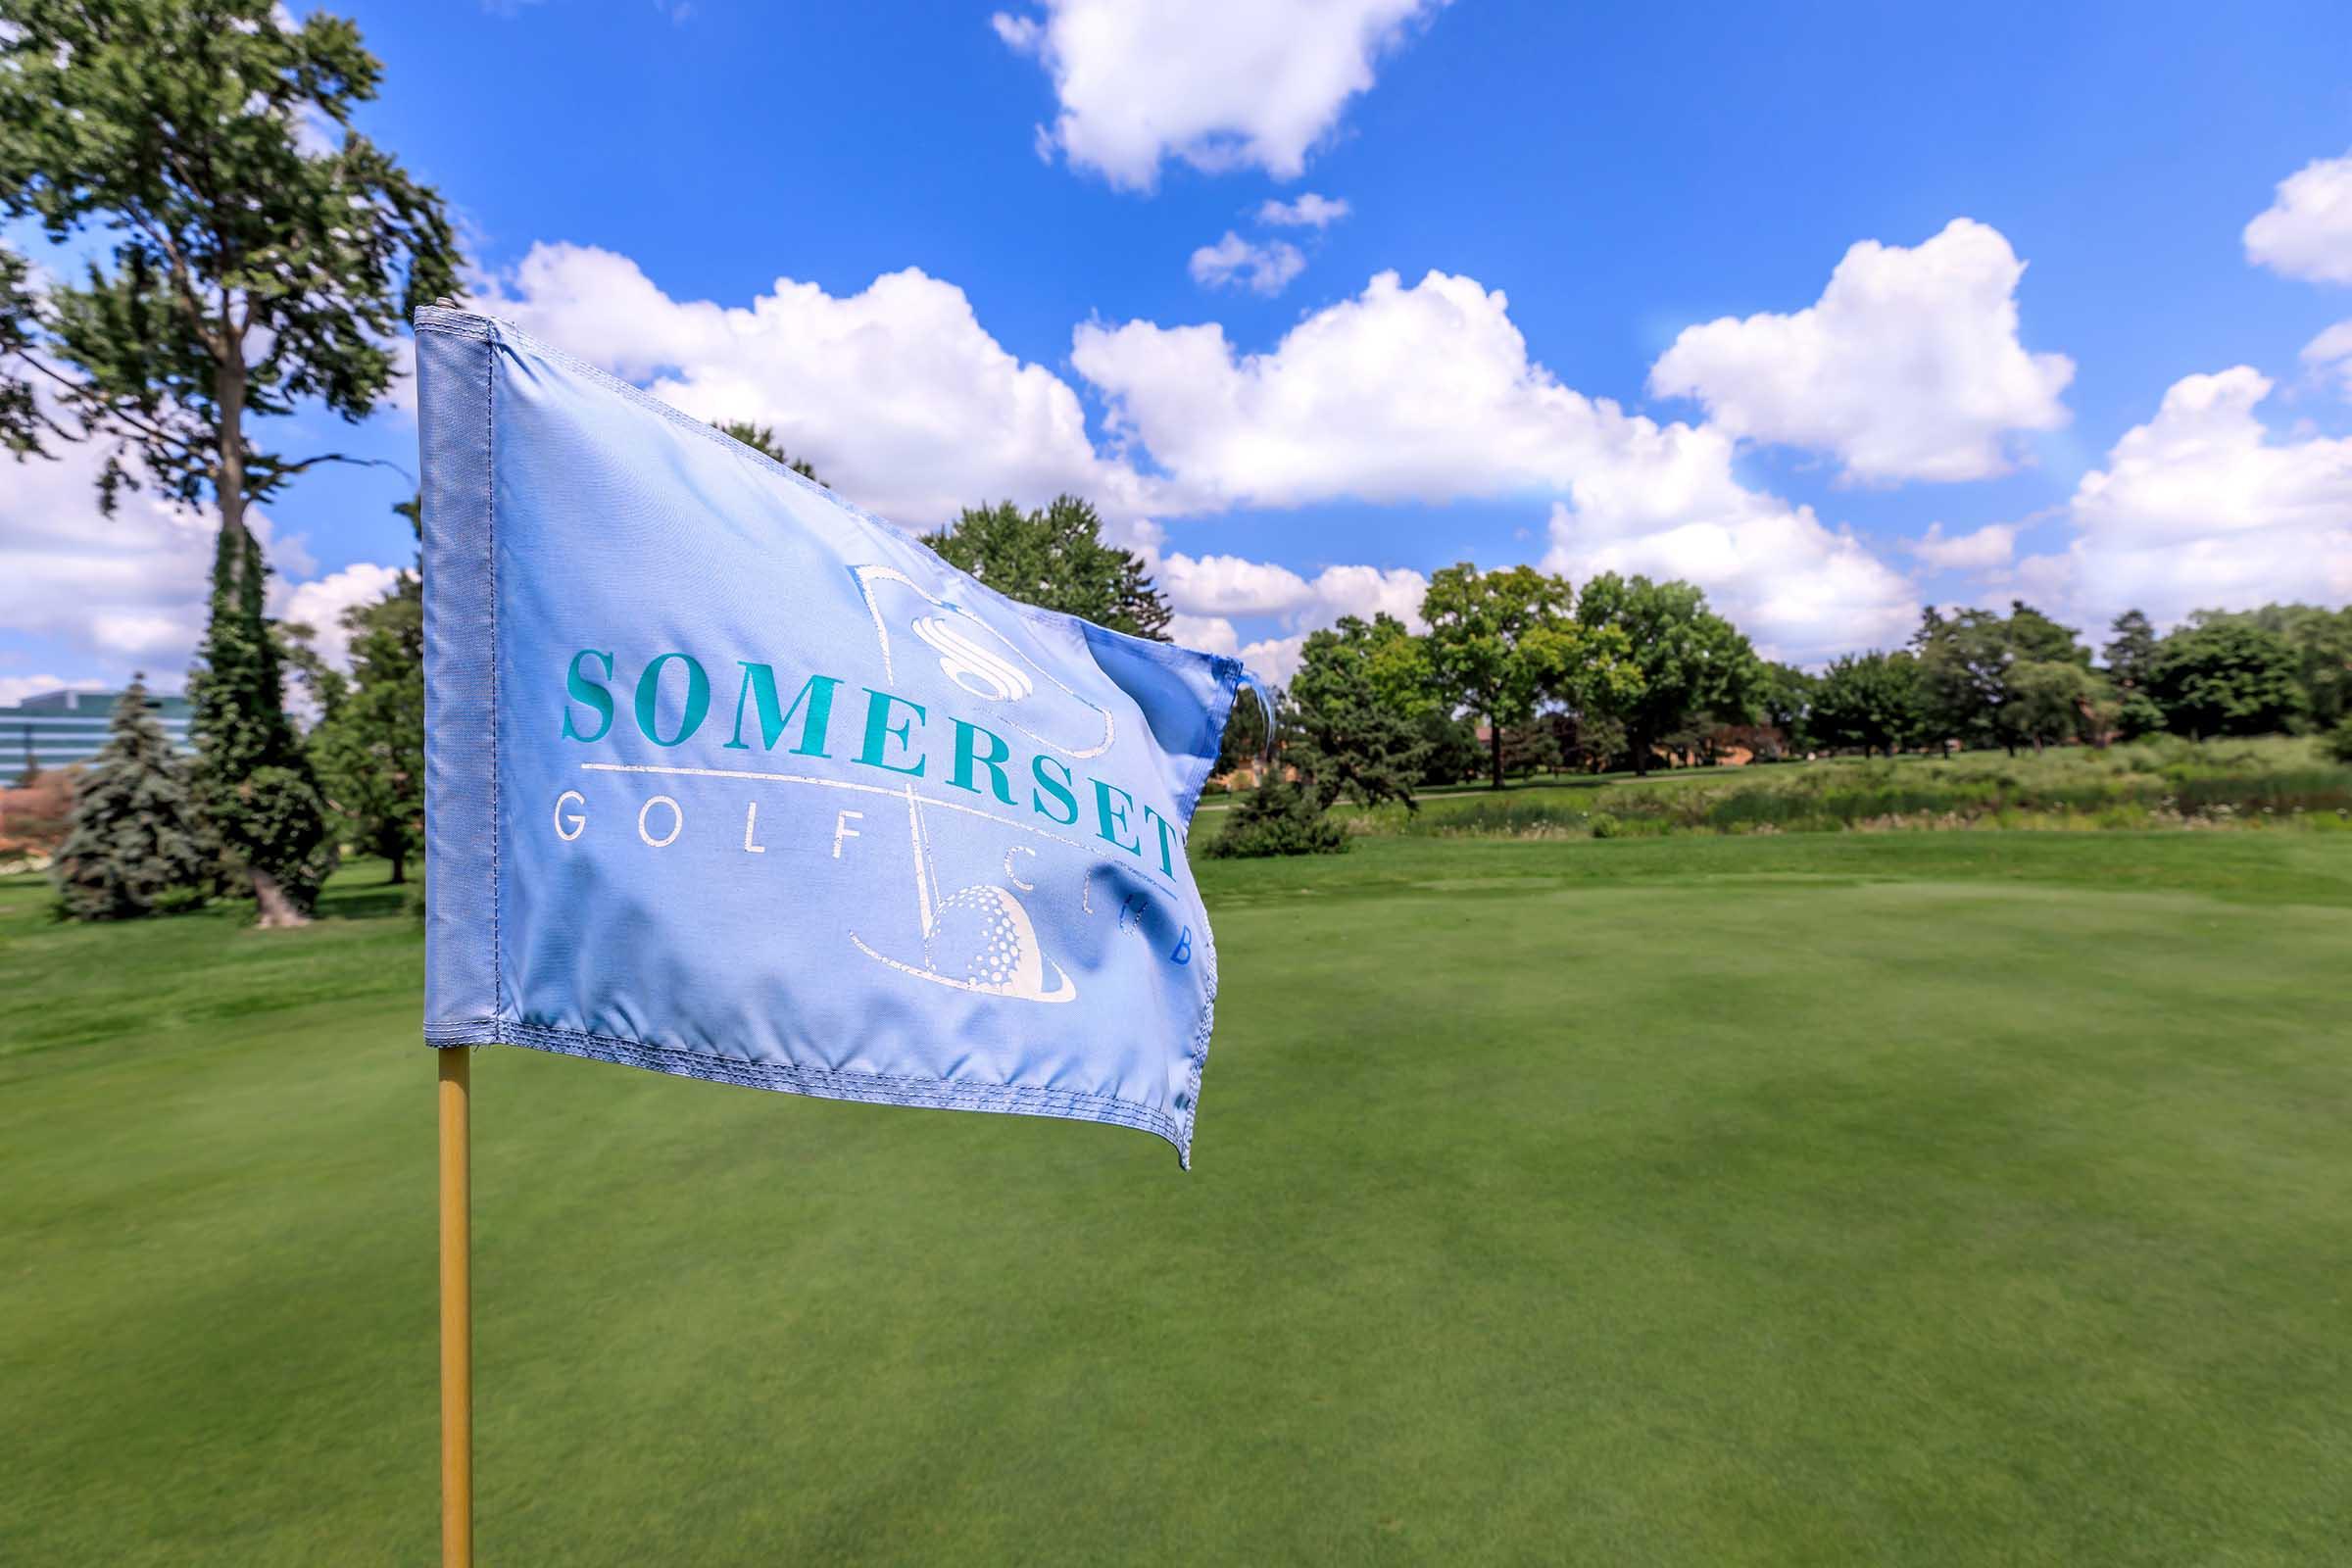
pixel 978 938
pixel 934 647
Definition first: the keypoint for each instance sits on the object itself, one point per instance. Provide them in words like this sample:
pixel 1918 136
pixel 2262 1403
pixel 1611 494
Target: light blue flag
pixel 727 778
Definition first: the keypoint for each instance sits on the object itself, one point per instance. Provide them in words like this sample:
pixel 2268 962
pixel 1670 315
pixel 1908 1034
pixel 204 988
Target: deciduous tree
pixel 1684 658
pixel 1501 642
pixel 1868 699
pixel 2226 677
pixel 1055 559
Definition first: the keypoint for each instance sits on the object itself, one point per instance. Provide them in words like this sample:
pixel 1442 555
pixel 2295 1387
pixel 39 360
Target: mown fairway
pixel 1932 1199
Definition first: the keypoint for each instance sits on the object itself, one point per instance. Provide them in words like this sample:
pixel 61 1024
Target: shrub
pixel 1278 818
pixel 2337 742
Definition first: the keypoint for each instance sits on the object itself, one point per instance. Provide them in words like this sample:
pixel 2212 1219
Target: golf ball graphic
pixel 982 936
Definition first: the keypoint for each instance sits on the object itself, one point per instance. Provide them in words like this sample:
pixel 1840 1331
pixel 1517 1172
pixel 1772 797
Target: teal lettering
pixel 993 761
pixel 1182 952
pixel 879 730
pixel 1167 859
pixel 649 692
pixel 1060 791
pixel 583 690
pixel 760 687
pixel 1112 818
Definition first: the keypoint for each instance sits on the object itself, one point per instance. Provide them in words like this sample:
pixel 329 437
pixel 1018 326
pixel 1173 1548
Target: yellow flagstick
pixel 457 1312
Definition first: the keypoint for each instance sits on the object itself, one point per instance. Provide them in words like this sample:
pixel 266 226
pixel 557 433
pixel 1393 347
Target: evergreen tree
pixel 254 783
pixel 1344 738
pixel 134 844
pixel 1278 818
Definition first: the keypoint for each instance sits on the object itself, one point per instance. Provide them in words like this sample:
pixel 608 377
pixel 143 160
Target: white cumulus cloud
pixel 319 605
pixel 130 591
pixel 897 395
pixel 2306 231
pixel 1236 262
pixel 14 689
pixel 2201 507
pixel 1989 547
pixel 1909 366
pixel 1427 393
pixel 1309 211
pixel 2330 354
pixel 1219 84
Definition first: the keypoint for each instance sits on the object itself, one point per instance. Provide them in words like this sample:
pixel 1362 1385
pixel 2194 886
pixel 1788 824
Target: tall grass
pixel 2160 783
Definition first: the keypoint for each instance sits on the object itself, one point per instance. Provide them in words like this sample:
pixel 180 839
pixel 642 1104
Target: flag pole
pixel 457 1312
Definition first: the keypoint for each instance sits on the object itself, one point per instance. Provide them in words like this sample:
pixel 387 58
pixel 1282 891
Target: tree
pixel 1450 753
pixel 2131 654
pixel 253 780
pixel 1056 560
pixel 369 748
pixel 1530 747
pixel 1346 737
pixel 2053 700
pixel 1684 657
pixel 1783 699
pixel 2321 641
pixel 247 268
pixel 1278 818
pixel 2226 677
pixel 1868 699
pixel 1244 742
pixel 1966 662
pixel 1500 642
pixel 762 440
pixel 250 254
pixel 22 424
pixel 134 844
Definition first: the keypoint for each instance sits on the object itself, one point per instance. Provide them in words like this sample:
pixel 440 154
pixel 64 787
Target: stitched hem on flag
pixel 826 1082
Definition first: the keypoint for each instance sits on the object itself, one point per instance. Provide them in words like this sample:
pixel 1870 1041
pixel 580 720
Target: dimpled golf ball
pixel 981 935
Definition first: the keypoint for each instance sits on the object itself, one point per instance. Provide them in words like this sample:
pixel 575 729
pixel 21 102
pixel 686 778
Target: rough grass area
pixel 2151 784
pixel 1921 1199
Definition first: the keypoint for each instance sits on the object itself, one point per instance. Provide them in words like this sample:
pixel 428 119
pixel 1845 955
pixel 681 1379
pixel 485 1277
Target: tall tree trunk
pixel 1495 737
pixel 1641 740
pixel 277 910
pixel 400 866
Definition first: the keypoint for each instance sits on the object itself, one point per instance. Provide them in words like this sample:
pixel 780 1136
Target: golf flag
pixel 727 778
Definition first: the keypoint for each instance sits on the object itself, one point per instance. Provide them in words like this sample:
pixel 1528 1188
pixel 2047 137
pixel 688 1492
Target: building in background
pixel 57 728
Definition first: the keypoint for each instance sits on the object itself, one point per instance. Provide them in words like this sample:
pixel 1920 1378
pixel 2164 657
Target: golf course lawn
pixel 1965 1197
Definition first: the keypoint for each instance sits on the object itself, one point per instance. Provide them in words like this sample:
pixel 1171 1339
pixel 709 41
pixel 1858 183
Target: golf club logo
pixel 979 937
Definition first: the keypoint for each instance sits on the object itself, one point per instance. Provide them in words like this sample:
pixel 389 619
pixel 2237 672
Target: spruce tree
pixel 253 779
pixel 134 844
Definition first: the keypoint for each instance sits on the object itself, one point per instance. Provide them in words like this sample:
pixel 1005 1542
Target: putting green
pixel 1920 1199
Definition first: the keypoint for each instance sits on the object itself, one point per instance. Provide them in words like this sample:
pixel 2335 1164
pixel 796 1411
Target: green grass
pixel 1860 1198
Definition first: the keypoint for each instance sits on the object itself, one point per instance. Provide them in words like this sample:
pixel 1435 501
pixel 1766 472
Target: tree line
pixel 1627 673
pixel 250 253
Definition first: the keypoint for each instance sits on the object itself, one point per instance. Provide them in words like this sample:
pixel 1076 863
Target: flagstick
pixel 456 1313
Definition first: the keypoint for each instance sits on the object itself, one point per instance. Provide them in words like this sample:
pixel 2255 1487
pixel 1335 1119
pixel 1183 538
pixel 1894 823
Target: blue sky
pixel 1589 184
